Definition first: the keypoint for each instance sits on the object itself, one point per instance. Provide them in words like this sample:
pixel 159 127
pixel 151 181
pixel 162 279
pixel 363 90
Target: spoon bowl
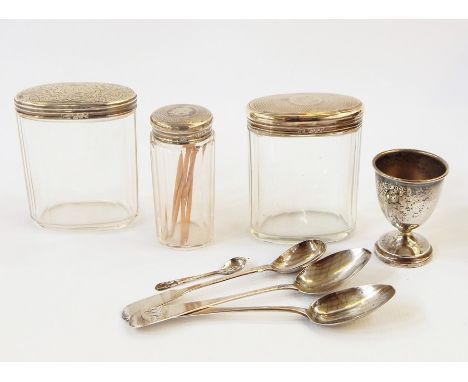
pixel 299 255
pixel 327 273
pixel 349 304
pixel 233 265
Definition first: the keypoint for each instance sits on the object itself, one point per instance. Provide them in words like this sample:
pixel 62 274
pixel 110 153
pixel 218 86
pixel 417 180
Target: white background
pixel 62 292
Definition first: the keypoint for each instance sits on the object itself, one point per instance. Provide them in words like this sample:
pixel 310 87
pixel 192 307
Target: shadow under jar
pixel 79 154
pixel 304 164
pixel 182 156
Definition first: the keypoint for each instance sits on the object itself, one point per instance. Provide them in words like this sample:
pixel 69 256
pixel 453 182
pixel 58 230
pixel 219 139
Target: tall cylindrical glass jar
pixel 79 154
pixel 182 153
pixel 304 164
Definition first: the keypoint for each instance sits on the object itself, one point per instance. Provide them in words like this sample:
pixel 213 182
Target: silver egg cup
pixel 408 186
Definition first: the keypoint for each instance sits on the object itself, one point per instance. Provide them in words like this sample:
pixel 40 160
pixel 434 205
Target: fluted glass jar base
pixel 199 237
pixel 183 185
pixel 80 174
pixel 92 215
pixel 293 227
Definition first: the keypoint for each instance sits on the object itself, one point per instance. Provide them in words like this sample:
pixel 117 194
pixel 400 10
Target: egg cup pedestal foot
pixel 403 250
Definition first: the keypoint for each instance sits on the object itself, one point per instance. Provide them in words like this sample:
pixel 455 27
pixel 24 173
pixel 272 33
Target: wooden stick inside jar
pixel 187 197
pixel 182 196
pixel 177 194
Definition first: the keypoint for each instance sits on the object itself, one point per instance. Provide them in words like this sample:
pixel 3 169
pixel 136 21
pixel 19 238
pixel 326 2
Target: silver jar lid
pixel 304 114
pixel 181 123
pixel 75 100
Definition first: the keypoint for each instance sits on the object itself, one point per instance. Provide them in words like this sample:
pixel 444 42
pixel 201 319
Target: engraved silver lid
pixel 75 100
pixel 181 123
pixel 304 114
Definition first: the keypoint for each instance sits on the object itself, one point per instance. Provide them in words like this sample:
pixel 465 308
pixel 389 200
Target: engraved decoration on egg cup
pixel 408 187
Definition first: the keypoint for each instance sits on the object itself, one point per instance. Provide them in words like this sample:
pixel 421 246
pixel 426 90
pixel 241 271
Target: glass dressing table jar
pixel 182 154
pixel 79 154
pixel 304 164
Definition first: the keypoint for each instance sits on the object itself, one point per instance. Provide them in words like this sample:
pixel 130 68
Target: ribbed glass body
pixel 80 174
pixel 183 182
pixel 303 187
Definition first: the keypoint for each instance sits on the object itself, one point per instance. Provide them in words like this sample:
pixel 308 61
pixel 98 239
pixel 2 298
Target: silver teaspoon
pixel 319 277
pixel 332 309
pixel 231 266
pixel 291 261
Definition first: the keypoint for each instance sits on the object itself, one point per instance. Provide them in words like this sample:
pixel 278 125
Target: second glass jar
pixel 182 155
pixel 304 162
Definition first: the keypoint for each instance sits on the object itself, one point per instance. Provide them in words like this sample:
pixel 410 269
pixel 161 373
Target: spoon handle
pixel 171 295
pixel 183 280
pixel 262 268
pixel 215 309
pixel 165 312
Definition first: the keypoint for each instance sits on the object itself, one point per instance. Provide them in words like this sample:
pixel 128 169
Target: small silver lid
pixel 181 123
